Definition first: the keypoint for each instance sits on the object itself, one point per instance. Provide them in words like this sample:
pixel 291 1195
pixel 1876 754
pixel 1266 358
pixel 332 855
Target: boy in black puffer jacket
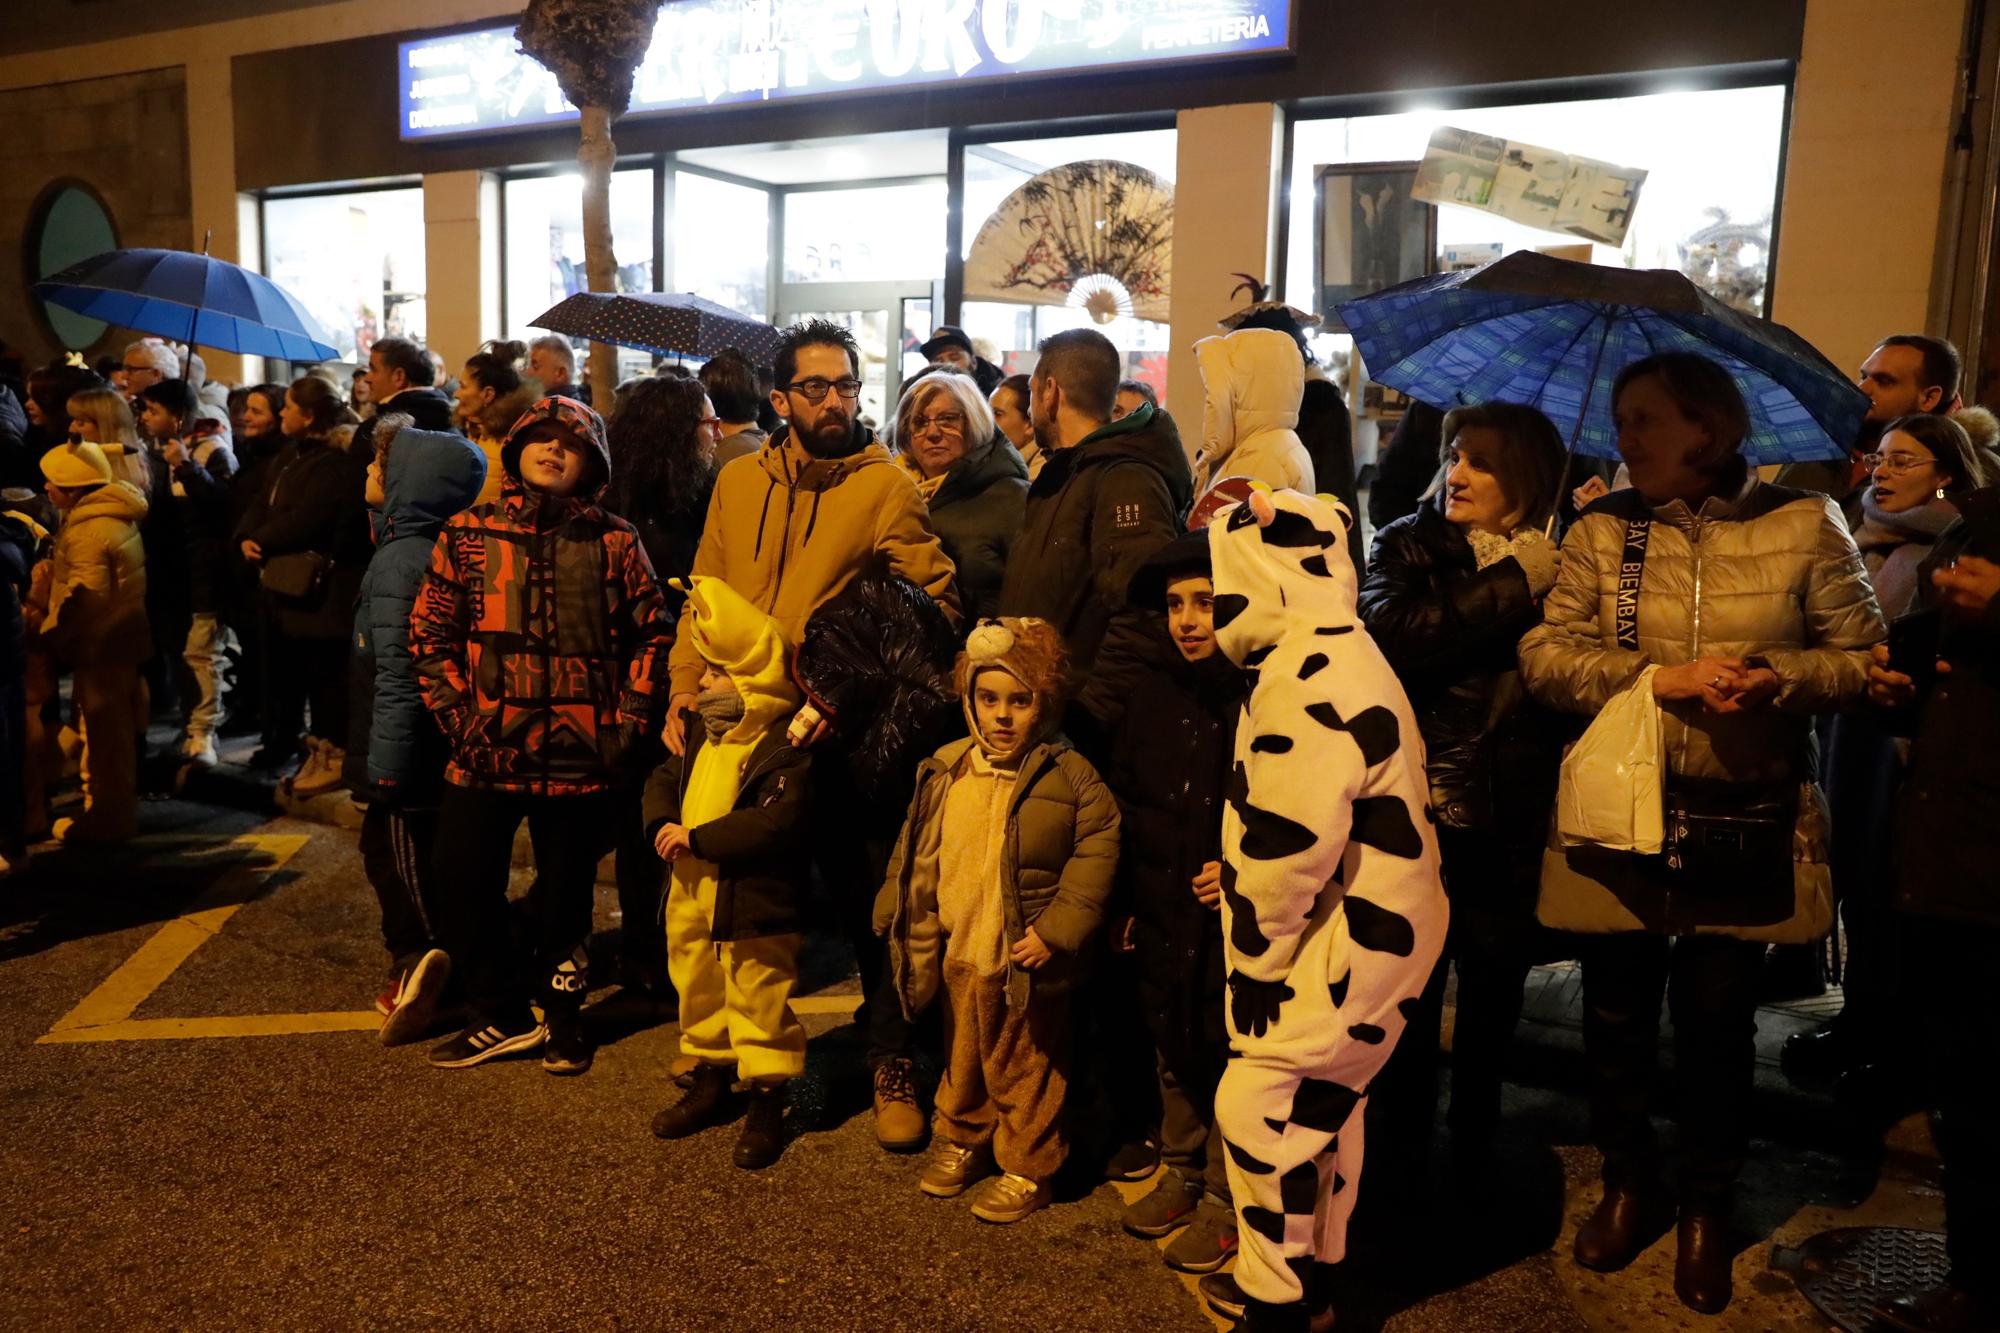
pixel 1170 762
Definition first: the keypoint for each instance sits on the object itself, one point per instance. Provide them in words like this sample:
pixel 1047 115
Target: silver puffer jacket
pixel 1770 574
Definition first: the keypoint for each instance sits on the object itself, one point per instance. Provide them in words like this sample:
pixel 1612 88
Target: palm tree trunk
pixel 595 154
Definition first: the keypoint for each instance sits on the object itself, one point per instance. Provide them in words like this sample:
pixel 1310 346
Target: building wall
pixel 126 137
pixel 1872 118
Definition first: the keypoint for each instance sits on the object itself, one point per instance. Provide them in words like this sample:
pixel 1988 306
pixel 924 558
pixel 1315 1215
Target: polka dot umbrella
pixel 665 323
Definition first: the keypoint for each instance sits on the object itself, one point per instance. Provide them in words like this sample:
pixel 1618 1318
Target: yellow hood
pixel 746 644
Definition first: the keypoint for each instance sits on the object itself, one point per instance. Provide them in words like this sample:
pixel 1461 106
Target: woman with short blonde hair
pixel 102 416
pixel 971 475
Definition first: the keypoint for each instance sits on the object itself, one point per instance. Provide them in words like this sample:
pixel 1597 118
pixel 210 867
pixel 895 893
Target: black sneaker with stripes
pixel 491 1041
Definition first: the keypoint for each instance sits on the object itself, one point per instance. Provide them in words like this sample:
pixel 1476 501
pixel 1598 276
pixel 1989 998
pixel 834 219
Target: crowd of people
pixel 1154 812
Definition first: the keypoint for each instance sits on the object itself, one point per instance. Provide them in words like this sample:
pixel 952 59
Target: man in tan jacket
pixel 789 526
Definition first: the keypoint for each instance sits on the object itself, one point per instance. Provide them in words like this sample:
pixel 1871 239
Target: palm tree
pixel 593 47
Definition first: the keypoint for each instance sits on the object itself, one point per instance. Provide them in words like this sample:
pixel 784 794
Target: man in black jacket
pixel 401 379
pixel 1112 494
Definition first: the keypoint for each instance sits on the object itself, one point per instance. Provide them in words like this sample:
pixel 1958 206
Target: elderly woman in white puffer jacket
pixel 1751 601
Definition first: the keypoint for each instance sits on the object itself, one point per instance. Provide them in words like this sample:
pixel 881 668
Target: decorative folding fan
pixel 1098 235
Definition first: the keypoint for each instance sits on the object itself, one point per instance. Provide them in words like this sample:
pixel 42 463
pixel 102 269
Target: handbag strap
pixel 1631 565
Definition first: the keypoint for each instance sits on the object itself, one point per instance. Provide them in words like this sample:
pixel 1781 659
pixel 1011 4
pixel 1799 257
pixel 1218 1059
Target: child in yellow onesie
pixel 730 816
pixel 997 883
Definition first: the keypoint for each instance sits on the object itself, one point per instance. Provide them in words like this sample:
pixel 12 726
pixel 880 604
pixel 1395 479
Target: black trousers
pixel 1711 986
pixel 1866 774
pixel 308 672
pixel 851 848
pixel 1955 1012
pixel 473 858
pixel 396 848
pixel 642 881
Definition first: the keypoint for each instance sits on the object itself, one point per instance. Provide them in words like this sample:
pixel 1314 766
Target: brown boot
pixel 1624 1224
pixel 899 1125
pixel 1702 1262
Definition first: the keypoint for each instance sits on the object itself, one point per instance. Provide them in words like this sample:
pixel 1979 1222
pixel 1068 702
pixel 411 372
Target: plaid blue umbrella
pixel 1553 334
pixel 664 323
pixel 190 298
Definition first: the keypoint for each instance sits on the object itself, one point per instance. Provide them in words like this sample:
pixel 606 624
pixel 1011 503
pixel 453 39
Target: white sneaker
pixel 199 750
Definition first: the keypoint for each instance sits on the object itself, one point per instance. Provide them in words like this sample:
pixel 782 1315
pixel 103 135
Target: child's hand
pixel 671 842
pixel 1031 953
pixel 1208 886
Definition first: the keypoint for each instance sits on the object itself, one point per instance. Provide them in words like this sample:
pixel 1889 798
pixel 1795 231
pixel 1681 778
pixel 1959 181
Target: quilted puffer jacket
pixel 539 637
pixel 1058 861
pixel 97 592
pixel 1451 631
pixel 1253 380
pixel 392 742
pixel 1770 574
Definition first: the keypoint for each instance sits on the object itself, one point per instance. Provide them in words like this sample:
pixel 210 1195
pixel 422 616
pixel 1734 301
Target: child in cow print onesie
pixel 1333 913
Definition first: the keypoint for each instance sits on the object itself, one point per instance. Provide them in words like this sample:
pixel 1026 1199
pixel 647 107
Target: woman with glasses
pixel 1922 464
pixel 970 474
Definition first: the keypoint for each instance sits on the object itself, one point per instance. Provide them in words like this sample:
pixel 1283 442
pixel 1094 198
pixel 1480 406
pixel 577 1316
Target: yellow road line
pixel 244 1025
pixel 119 995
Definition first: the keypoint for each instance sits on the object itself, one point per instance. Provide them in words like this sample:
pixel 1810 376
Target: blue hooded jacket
pixel 393 742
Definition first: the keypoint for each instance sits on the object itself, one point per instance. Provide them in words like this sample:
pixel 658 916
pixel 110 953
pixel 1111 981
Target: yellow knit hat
pixel 75 466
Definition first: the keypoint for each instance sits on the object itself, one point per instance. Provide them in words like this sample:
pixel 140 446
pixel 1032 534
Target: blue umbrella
pixel 664 323
pixel 192 299
pixel 1553 334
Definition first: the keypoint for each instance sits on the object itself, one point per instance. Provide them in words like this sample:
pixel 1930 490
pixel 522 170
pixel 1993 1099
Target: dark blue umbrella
pixel 1553 334
pixel 192 299
pixel 664 323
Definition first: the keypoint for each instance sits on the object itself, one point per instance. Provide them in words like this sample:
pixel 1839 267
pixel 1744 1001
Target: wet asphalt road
pixel 316 1180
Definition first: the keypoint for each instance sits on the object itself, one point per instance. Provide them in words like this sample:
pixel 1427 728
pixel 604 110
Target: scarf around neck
pixel 1893 546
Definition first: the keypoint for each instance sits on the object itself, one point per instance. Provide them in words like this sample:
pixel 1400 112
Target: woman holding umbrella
pixel 1743 609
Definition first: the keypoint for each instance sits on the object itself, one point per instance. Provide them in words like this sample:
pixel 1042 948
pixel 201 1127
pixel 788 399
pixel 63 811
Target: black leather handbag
pixel 296 577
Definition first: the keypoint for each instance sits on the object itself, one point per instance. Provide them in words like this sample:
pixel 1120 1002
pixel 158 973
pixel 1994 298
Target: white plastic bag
pixel 1614 777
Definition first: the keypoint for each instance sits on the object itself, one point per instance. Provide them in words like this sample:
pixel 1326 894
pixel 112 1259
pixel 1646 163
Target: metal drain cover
pixel 1847 1272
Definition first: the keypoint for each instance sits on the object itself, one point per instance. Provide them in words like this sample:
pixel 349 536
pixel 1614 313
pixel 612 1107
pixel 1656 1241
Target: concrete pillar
pixel 1225 221
pixel 461 262
pixel 215 206
pixel 1864 172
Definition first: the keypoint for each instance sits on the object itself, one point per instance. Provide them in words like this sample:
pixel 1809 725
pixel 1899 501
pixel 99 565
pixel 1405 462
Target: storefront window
pixel 356 261
pixel 993 171
pixel 874 233
pixel 1706 206
pixel 722 242
pixel 544 247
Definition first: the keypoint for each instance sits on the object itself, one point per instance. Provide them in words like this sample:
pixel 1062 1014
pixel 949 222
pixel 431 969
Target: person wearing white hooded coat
pixel 1254 380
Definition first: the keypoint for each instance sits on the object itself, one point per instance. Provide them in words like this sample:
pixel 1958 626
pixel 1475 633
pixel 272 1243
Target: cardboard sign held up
pixel 1537 187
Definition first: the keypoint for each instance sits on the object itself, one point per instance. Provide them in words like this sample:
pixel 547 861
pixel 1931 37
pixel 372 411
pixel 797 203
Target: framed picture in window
pixel 1372 233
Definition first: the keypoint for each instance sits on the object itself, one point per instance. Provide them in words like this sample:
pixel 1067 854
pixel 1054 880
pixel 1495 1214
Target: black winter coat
pixel 1450 630
pixel 1949 839
pixel 977 513
pixel 427 408
pixel 671 538
pixel 760 848
pixel 1169 769
pixel 1096 513
pixel 1328 436
pixel 317 502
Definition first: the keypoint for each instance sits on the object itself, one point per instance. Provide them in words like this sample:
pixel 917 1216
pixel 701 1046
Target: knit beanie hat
pixel 75 466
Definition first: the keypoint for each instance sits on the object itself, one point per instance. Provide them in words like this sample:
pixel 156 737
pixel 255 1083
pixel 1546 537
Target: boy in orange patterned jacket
pixel 539 638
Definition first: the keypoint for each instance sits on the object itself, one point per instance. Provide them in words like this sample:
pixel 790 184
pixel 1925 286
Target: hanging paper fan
pixel 1098 235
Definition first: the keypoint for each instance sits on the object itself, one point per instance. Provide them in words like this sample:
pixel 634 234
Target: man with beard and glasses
pixel 789 527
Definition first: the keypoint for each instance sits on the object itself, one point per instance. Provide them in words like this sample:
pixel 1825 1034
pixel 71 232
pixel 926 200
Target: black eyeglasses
pixel 815 390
